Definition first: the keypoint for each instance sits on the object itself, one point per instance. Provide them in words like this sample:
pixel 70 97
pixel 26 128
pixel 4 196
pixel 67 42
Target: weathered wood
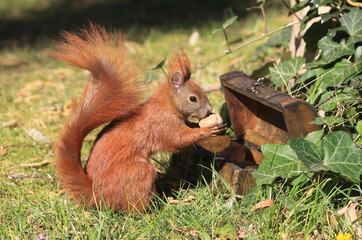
pixel 240 179
pixel 262 115
pixel 215 144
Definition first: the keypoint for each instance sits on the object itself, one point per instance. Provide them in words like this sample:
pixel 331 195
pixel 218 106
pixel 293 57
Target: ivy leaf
pixel 229 22
pixel 333 31
pixel 359 127
pixel 332 50
pixel 315 136
pixel 334 75
pixel 352 22
pixel 327 16
pixel 285 70
pixel 299 6
pixel 279 161
pixel 329 121
pixel 309 154
pixel 342 156
pixel 338 154
pixel 332 103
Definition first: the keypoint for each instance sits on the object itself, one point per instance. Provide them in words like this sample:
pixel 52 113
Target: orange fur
pixel 119 172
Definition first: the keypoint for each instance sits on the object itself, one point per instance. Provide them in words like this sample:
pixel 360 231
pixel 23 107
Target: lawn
pixel 35 94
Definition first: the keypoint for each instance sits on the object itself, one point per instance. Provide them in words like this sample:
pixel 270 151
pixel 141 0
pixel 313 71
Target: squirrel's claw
pixel 217 127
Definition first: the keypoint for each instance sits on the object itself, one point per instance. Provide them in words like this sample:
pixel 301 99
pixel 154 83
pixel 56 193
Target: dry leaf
pixel 173 201
pixel 193 38
pixel 3 150
pixel 263 204
pixel 186 201
pixel 38 136
pixel 351 215
pixel 113 228
pixel 38 164
pixel 186 231
pixel 11 123
pixel 61 192
pixel 284 236
pixel 235 61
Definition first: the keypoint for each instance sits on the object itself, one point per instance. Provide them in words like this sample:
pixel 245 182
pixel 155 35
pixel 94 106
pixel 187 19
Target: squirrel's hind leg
pixel 130 187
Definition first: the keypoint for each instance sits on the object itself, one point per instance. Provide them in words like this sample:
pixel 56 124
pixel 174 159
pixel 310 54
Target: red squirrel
pixel 119 173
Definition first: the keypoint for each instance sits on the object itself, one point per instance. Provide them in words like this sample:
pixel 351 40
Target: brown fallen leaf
pixel 186 201
pixel 11 123
pixel 61 192
pixel 3 150
pixel 263 204
pixel 186 231
pixel 351 215
pixel 113 228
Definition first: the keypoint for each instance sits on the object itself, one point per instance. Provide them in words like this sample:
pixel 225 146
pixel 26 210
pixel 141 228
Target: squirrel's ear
pixel 176 81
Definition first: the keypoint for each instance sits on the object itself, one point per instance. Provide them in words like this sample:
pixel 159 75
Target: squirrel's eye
pixel 193 99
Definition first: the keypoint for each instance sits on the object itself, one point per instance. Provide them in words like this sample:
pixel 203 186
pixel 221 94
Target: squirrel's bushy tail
pixel 112 92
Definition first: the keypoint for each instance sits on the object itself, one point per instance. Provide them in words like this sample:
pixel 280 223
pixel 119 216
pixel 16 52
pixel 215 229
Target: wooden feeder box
pixel 258 115
pixel 261 115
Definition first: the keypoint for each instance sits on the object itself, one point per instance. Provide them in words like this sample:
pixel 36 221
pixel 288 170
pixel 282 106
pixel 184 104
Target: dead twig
pixel 264 16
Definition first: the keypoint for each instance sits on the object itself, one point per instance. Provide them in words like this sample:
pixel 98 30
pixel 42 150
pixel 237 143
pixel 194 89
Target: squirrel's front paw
pixel 216 128
pixel 213 123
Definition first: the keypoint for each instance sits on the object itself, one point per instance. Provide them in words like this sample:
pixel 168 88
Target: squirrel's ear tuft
pixel 179 62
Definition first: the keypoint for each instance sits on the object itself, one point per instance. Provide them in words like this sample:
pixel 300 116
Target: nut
pixel 210 120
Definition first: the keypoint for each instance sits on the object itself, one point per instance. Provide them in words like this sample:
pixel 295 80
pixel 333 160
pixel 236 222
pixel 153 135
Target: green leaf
pixel 327 120
pixel 160 64
pixel 333 31
pixel 332 103
pixel 342 156
pixel 338 154
pixel 279 161
pixel 227 231
pixel 263 3
pixel 309 154
pixel 315 136
pixel 332 50
pixel 285 70
pixel 331 77
pixel 352 23
pixel 327 16
pixel 299 6
pixel 359 127
pixel 216 30
pixel 229 22
pixel 358 52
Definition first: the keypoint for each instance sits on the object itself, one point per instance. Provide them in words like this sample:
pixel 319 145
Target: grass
pixel 35 92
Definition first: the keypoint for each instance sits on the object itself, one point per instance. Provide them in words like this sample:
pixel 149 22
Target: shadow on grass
pixel 136 17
